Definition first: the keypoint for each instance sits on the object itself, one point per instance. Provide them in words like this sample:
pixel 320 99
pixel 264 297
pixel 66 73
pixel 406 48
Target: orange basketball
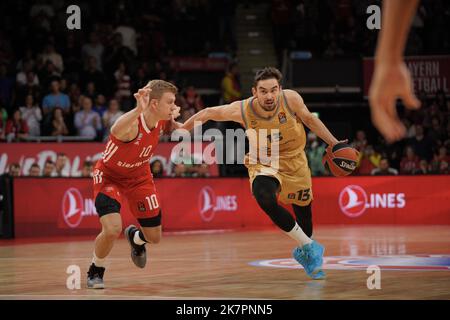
pixel 341 160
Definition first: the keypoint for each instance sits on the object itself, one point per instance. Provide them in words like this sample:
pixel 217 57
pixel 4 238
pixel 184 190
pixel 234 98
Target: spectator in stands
pixel 315 152
pixel 3 113
pixel 157 169
pixel 437 131
pixel 28 88
pixel 74 93
pixel 48 73
pixel 110 116
pixel 91 91
pixel 123 82
pixel 179 170
pixel 94 49
pixel 50 54
pixel 71 51
pixel 61 167
pixel 128 34
pixel 116 53
pixel 360 141
pixel 368 161
pixel 59 127
pixel 35 170
pixel 201 171
pixel 410 129
pixel 438 158
pixel 444 167
pixel 49 168
pixel 93 74
pixel 55 99
pixel 16 128
pixel 100 105
pixel 231 87
pixel 424 168
pixel 21 77
pixel 410 161
pixel 87 169
pixel 14 170
pixel 87 121
pixel 139 80
pixel 27 58
pixel 384 169
pixel 421 144
pixel 192 100
pixel 32 114
pixel 441 100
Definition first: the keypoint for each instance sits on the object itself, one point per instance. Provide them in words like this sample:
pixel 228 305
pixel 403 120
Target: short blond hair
pixel 159 87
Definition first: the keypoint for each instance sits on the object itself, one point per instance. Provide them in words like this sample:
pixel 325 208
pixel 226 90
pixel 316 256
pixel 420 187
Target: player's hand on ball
pixel 330 146
pixel 389 82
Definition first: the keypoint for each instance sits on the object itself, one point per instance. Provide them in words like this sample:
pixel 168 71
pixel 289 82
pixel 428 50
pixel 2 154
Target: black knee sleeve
pixel 105 205
pixel 150 222
pixel 303 216
pixel 265 190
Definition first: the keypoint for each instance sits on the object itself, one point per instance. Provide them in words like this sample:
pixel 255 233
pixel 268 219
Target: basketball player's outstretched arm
pixel 227 112
pixel 126 127
pixel 391 78
pixel 311 121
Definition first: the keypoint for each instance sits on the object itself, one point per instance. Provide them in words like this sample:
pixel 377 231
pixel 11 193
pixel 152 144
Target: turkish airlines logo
pixel 72 207
pixel 75 207
pixel 352 201
pixel 209 203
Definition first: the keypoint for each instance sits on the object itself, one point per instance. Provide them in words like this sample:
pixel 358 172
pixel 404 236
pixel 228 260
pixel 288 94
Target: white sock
pixel 298 235
pixel 138 239
pixel 97 261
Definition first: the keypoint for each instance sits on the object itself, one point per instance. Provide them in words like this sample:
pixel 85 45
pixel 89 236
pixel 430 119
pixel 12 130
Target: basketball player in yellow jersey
pixel 282 114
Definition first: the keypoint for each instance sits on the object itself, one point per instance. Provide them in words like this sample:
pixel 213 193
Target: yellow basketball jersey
pixel 283 129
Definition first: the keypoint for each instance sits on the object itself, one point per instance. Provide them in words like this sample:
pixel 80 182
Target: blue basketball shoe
pixel 310 256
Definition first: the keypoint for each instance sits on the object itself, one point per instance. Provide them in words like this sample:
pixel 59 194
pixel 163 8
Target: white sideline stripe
pixel 112 296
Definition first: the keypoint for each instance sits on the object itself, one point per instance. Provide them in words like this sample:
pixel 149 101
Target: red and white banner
pixel 382 200
pixel 198 64
pixel 28 153
pixel 429 73
pixel 227 203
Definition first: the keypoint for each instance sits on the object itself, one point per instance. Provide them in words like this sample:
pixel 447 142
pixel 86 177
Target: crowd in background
pixel 343 32
pixel 56 82
pixel 425 149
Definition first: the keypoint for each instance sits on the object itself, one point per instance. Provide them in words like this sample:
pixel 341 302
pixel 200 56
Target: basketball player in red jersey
pixel 124 173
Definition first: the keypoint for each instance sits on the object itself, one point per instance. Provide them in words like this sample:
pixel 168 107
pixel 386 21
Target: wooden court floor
pixel 230 265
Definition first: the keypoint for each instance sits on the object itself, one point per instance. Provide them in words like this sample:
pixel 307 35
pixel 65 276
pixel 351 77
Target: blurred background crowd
pixel 60 83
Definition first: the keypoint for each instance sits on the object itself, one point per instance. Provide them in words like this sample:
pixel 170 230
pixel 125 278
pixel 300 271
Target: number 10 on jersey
pixel 145 152
pixel 152 202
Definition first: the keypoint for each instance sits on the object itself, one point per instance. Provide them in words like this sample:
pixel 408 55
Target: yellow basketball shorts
pixel 296 187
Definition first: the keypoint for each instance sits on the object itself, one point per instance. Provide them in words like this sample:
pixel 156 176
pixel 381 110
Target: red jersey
pixel 130 160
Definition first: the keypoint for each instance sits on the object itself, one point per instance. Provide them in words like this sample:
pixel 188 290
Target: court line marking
pixel 109 296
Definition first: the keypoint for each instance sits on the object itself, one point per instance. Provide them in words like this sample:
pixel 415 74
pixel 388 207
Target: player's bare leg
pixel 111 229
pixel 137 238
